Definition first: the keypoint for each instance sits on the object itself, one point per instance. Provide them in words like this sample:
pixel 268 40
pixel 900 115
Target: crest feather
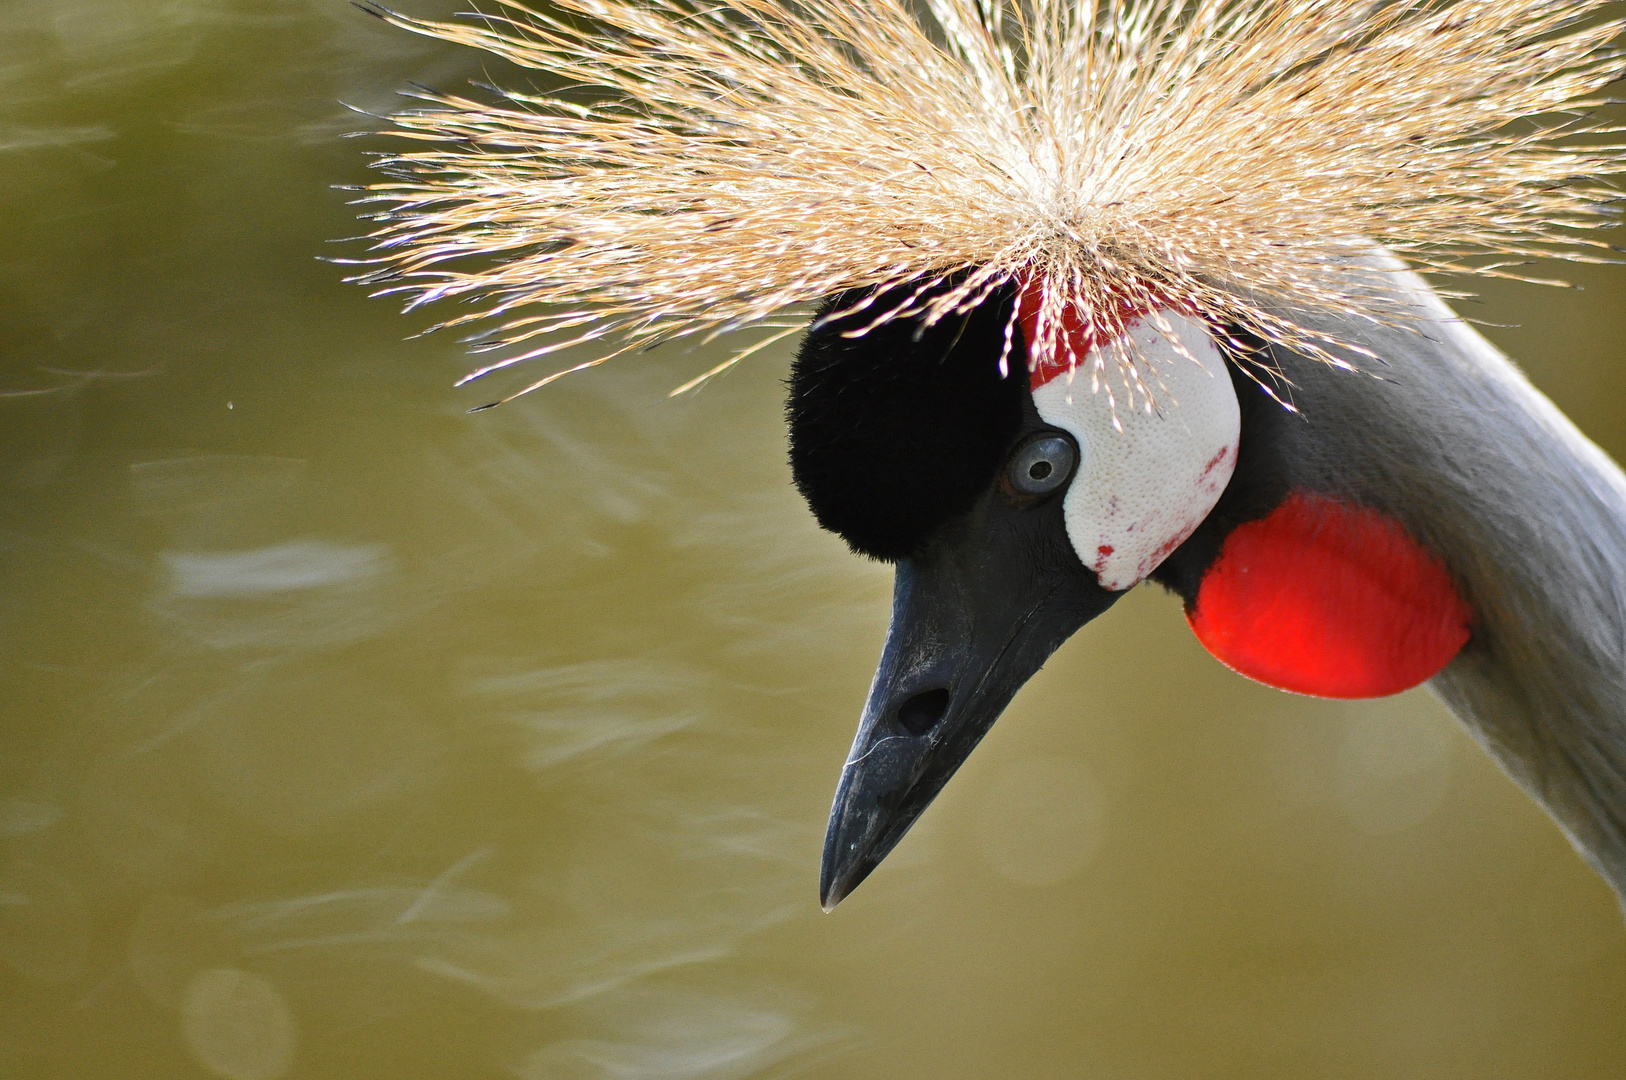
pixel 709 167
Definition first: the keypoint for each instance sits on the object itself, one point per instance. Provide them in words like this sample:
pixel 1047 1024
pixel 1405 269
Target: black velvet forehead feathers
pixel 896 432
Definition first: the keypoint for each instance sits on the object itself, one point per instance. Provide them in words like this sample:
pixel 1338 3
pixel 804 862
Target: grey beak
pixel 974 615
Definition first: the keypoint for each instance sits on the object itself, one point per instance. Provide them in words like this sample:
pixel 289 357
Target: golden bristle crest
pixel 713 166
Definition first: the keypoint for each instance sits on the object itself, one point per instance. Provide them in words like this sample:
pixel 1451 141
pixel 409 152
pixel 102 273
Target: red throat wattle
pixel 1329 599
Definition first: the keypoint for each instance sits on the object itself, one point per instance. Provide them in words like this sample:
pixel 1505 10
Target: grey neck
pixel 1529 515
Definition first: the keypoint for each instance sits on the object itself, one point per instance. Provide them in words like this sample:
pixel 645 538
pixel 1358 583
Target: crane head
pixel 1016 506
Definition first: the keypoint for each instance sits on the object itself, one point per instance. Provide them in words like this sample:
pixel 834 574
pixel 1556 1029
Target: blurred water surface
pixel 344 734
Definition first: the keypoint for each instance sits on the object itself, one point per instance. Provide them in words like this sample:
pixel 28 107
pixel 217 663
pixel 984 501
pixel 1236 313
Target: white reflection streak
pixel 750 831
pixel 606 941
pixel 296 593
pixel 513 991
pixel 18 139
pixel 111 43
pixel 597 705
pixel 377 915
pixel 532 971
pixel 435 890
pixel 790 589
pixel 299 564
pixel 22 817
pixel 676 1035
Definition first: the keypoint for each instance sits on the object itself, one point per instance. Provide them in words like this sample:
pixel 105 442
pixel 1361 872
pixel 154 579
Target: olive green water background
pixel 347 735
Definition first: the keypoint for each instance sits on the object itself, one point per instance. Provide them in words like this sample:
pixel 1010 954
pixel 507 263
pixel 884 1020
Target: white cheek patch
pixel 1140 492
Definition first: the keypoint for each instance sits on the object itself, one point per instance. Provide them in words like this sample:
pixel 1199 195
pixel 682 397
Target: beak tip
pixel 829 898
pixel 831 893
pixel 838 883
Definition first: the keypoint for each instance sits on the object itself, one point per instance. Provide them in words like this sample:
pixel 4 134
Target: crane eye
pixel 1042 464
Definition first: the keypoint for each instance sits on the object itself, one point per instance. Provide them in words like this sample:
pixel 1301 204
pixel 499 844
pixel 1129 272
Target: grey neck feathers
pixel 1529 515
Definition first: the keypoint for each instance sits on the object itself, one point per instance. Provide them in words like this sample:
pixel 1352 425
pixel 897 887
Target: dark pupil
pixel 1040 469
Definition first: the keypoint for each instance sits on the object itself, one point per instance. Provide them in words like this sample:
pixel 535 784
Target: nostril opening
pixel 921 713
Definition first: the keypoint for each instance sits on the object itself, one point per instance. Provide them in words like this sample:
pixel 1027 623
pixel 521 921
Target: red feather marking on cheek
pixel 1329 599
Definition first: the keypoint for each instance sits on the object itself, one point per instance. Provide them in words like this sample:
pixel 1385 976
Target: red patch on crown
pixel 1073 331
pixel 1329 599
pixel 1081 338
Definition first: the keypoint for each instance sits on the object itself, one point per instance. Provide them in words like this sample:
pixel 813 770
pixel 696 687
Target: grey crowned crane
pixel 1442 522
pixel 1100 293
